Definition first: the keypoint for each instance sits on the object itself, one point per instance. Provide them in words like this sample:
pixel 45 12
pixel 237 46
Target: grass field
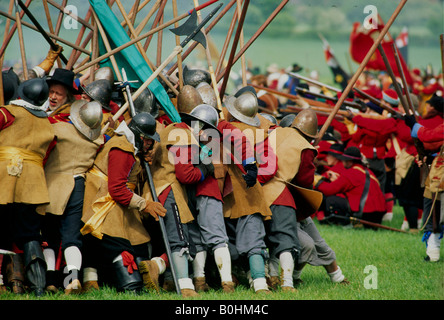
pixel 397 272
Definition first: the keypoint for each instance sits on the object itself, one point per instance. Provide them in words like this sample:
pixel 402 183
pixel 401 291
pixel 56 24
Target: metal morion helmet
pixel 287 120
pixel 207 93
pixel 143 125
pixel 87 118
pixel 244 108
pixel 105 73
pixel 146 102
pixel 306 122
pixel 205 114
pixel 99 90
pixel 193 77
pixel 187 99
pixel 34 91
pixel 269 117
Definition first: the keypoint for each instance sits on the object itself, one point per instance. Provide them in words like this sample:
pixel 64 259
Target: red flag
pixel 361 40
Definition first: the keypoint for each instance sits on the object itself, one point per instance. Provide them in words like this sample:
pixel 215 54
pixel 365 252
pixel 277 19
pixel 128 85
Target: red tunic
pixel 120 164
pixel 432 135
pixel 351 183
pixel 372 135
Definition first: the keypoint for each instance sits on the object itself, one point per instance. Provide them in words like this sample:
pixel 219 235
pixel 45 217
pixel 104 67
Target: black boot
pixel 35 267
pixel 125 281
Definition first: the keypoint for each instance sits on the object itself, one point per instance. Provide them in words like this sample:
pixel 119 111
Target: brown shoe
pixel 263 292
pixel 228 286
pixel 75 287
pixel 200 284
pixel 51 289
pixel 89 286
pixel 17 287
pixel 3 289
pixel 289 289
pixel 150 274
pixel 189 293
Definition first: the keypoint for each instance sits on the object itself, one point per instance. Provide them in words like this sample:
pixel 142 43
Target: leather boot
pixel 150 274
pixel 35 267
pixel 15 273
pixel 200 284
pixel 125 281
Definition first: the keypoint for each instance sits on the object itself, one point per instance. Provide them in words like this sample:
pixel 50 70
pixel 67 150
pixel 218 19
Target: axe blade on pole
pixel 192 30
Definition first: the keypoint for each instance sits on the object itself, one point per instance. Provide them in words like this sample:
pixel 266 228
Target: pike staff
pixel 359 71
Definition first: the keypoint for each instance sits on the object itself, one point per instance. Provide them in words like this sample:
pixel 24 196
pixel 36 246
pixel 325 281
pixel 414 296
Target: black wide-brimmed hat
pixel 351 153
pixel 336 150
pixel 437 103
pixel 64 77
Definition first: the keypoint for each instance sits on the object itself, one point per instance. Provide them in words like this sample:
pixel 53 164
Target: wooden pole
pixel 241 43
pixel 234 47
pixel 134 11
pixel 129 43
pixel 107 46
pixel 179 56
pixel 255 36
pixel 155 23
pixel 394 81
pixel 147 18
pixel 63 10
pixel 72 57
pixel 403 79
pixel 355 77
pixel 210 66
pixel 210 26
pixel 159 43
pixel 60 18
pixel 21 41
pixel 227 41
pixel 50 26
pixel 14 27
pixel 53 36
pixel 141 50
pixel 8 23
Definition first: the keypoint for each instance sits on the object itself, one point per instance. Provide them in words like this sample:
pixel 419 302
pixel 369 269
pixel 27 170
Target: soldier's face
pixel 58 96
pixel 331 160
pixel 147 144
pixel 347 163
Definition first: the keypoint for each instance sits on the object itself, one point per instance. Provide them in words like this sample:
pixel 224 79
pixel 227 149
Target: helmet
pixel 203 113
pixel 146 102
pixel 105 73
pixel 188 98
pixel 207 94
pixel 10 84
pixel 99 90
pixel 306 122
pixel 195 76
pixel 143 125
pixel 87 118
pixel 34 91
pixel 287 120
pixel 269 117
pixel 244 108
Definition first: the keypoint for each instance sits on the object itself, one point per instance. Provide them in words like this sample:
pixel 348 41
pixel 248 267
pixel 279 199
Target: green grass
pixel 402 274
